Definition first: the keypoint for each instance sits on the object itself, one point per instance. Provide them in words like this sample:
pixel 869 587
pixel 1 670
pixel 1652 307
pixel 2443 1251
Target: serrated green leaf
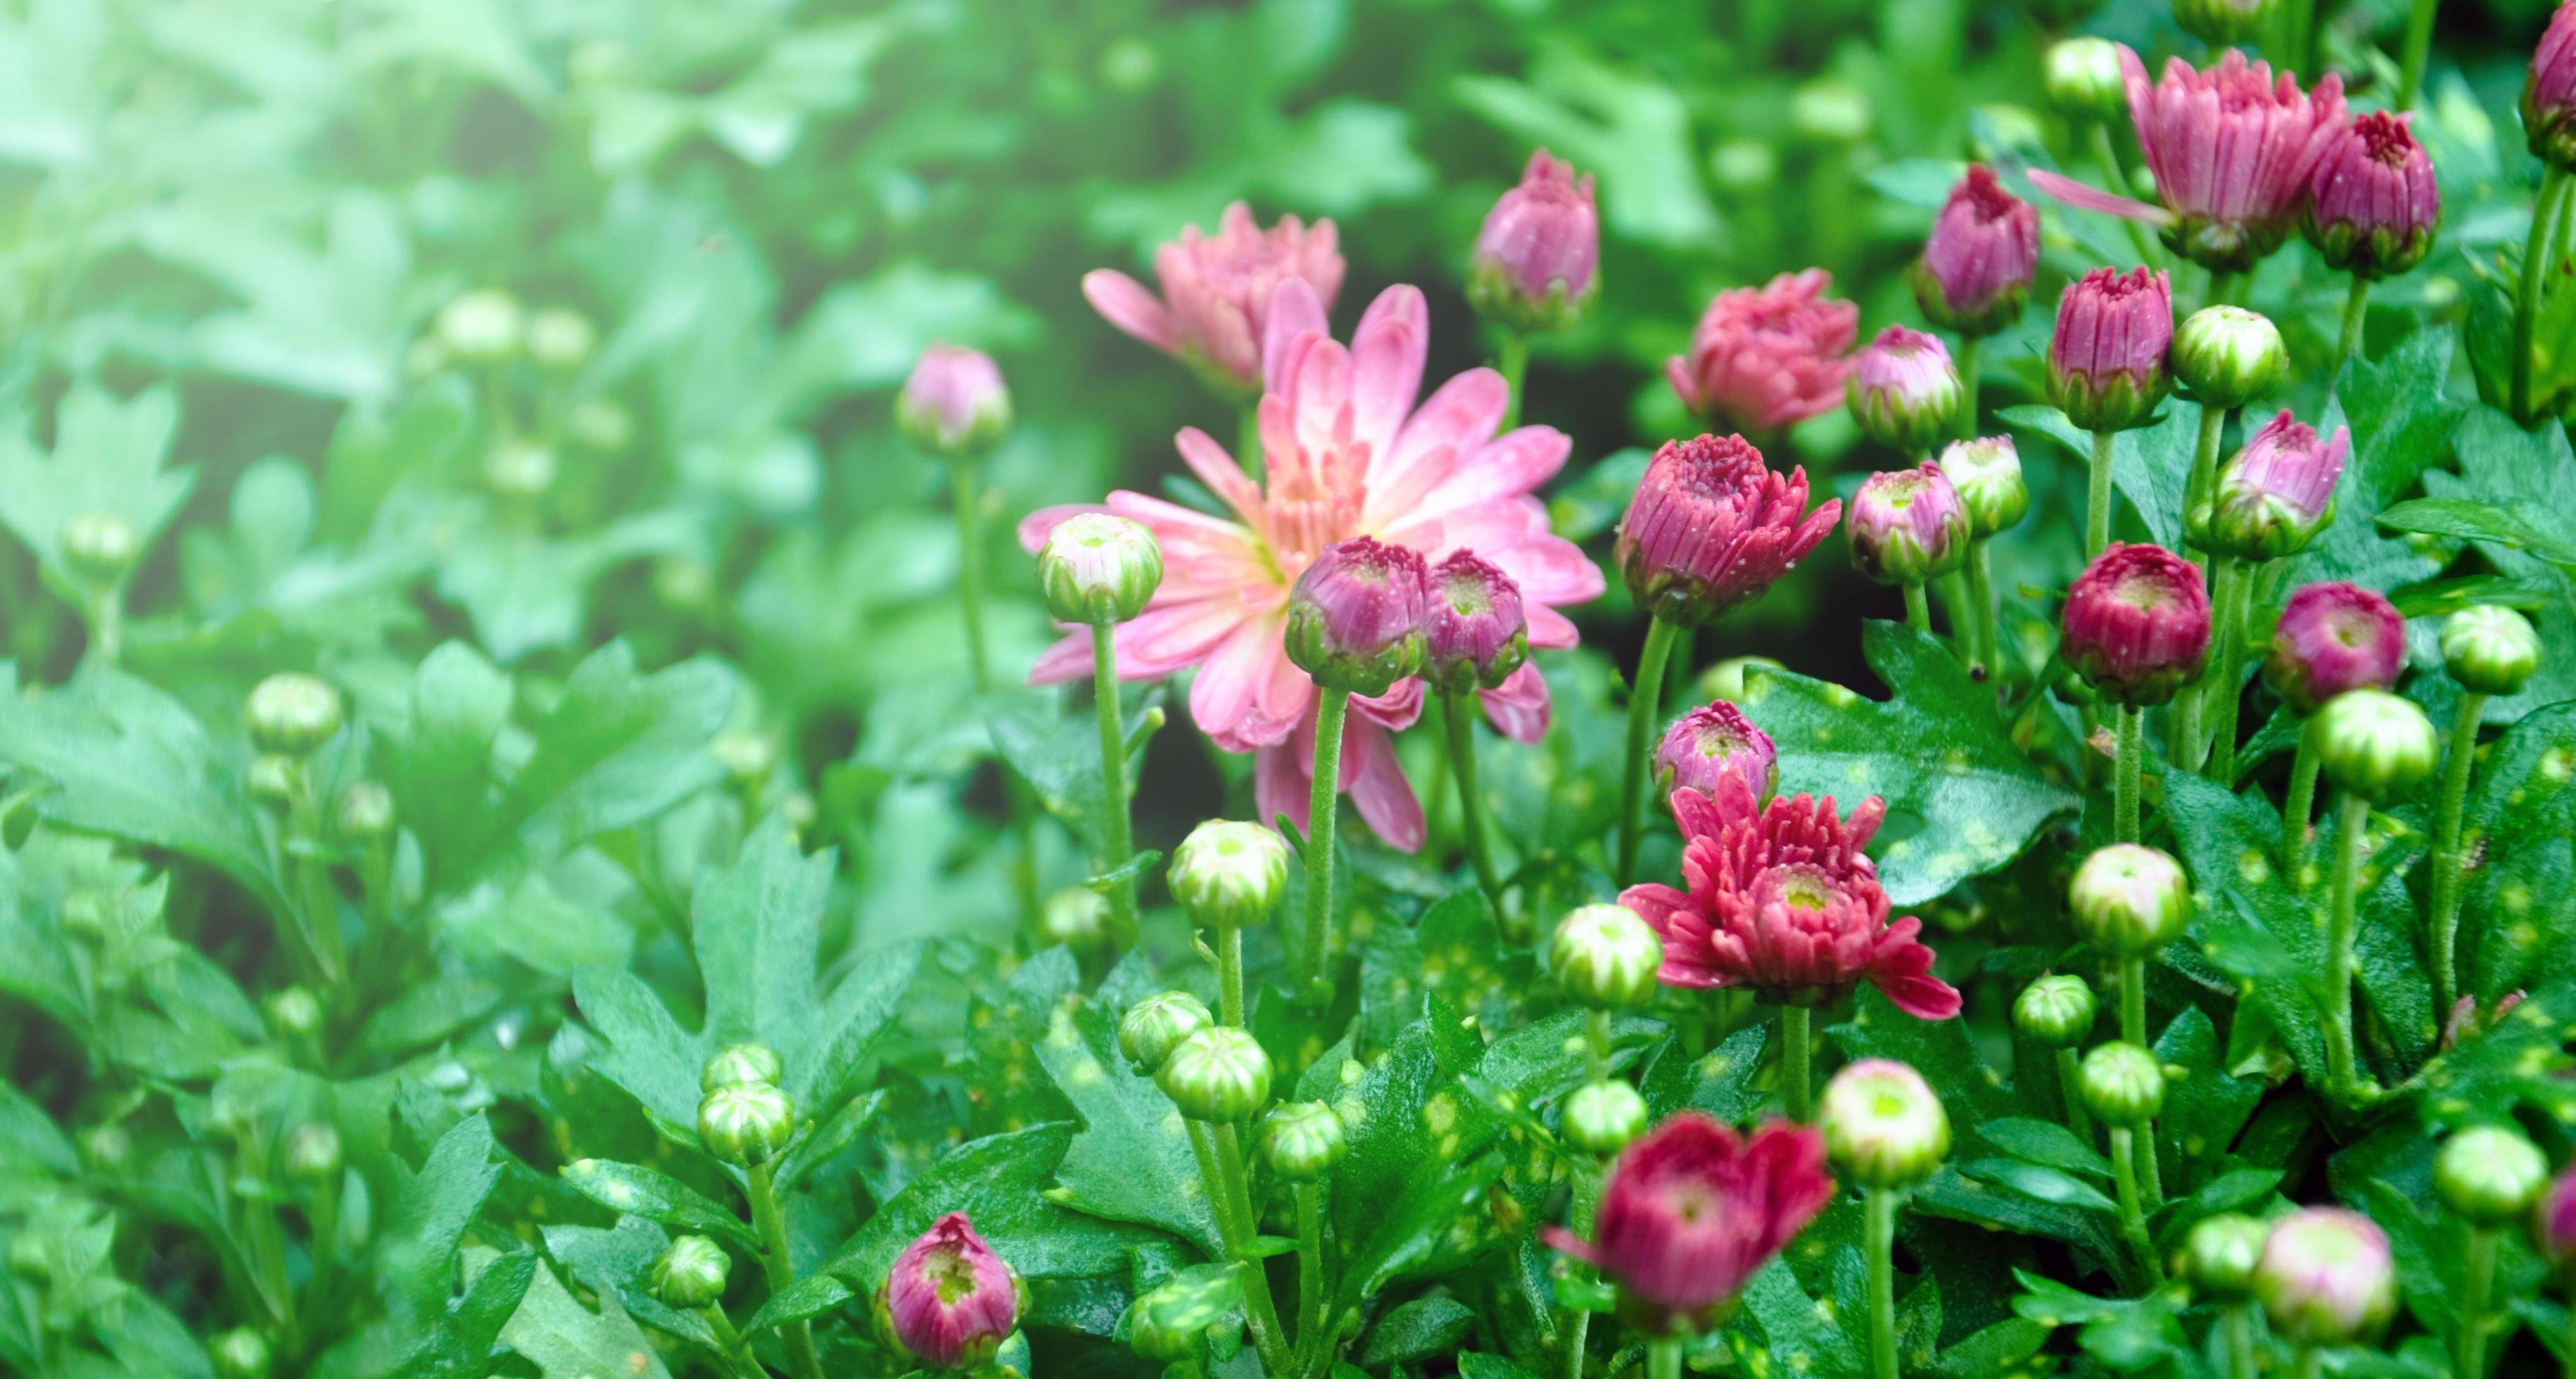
pixel 2044 1142
pixel 1133 1160
pixel 565 1340
pixel 634 1190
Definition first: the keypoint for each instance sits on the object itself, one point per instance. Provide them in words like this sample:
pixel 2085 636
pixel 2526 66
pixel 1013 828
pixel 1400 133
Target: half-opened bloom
pixel 1348 453
pixel 1770 355
pixel 1713 527
pixel 1692 1211
pixel 1538 257
pixel 2373 203
pixel 2106 361
pixel 2276 494
pixel 1978 262
pixel 2136 624
pixel 949 1301
pixel 1215 307
pixel 2332 638
pixel 1783 901
pixel 1908 526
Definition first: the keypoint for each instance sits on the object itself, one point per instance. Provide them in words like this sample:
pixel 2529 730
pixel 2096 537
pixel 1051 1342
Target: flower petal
pixel 1518 708
pixel 1124 303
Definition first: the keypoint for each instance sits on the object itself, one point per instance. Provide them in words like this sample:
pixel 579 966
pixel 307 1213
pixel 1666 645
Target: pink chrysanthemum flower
pixel 1348 453
pixel 949 1301
pixel 1783 900
pixel 1215 306
pixel 1766 356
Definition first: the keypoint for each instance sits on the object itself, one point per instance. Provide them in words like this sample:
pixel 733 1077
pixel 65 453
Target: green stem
pixel 1248 450
pixel 2222 288
pixel 1918 609
pixel 1117 841
pixel 2235 593
pixel 970 578
pixel 2097 497
pixel 2126 770
pixel 1880 1204
pixel 1796 1073
pixel 1664 1358
pixel 2311 1363
pixel 1981 609
pixel 1579 1219
pixel 2299 807
pixel 2419 46
pixel 1229 976
pixel 2240 1342
pixel 2204 462
pixel 2352 817
pixel 313 875
pixel 265 1236
pixel 1457 712
pixel 1972 349
pixel 736 1352
pixel 2133 1216
pixel 1260 1312
pixel 2356 310
pixel 2526 310
pixel 2477 1279
pixel 771 1222
pixel 2117 183
pixel 1512 361
pixel 1321 803
pixel 2446 851
pixel 2133 1029
pixel 1596 1045
pixel 2068 1080
pixel 1310 1271
pixel 1643 694
pixel 322 1229
pixel 106 627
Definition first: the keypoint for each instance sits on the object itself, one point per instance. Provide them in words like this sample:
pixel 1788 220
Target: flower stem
pixel 1457 712
pixel 2352 816
pixel 322 1238
pixel 2419 45
pixel 2298 808
pixel 737 1355
pixel 2133 1216
pixel 1596 1045
pixel 2446 850
pixel 1795 1071
pixel 1579 1219
pixel 1310 1271
pixel 2067 1080
pixel 1260 1311
pixel 1981 610
pixel 106 627
pixel 2235 587
pixel 1880 1204
pixel 2126 770
pixel 2477 1280
pixel 1320 806
pixel 2097 496
pixel 970 579
pixel 766 1218
pixel 2133 1029
pixel 2356 310
pixel 1972 349
pixel 1117 842
pixel 1512 361
pixel 1918 609
pixel 2116 182
pixel 1229 976
pixel 2526 308
pixel 1643 695
pixel 2204 460
pixel 2240 1342
pixel 313 874
pixel 1664 1358
pixel 2311 1363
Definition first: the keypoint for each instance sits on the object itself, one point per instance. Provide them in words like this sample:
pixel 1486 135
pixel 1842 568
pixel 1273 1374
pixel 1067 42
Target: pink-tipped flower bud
pixel 2553 1221
pixel 2326 1277
pixel 1884 1125
pixel 949 1302
pixel 2137 624
pixel 1977 265
pixel 1767 356
pixel 2333 638
pixel 954 405
pixel 1711 742
pixel 2106 363
pixel 1712 527
pixel 1474 632
pixel 1905 393
pixel 2129 900
pixel 2373 204
pixel 1355 619
pixel 2273 497
pixel 2549 93
pixel 1986 472
pixel 1907 526
pixel 1537 261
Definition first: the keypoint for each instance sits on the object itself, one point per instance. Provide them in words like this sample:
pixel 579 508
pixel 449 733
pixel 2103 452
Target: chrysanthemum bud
pixel 1978 262
pixel 1537 260
pixel 2227 356
pixel 1475 632
pixel 2489 1174
pixel 366 811
pixel 949 1302
pixel 107 1147
pixel 100 547
pixel 1355 617
pixel 1904 391
pixel 272 779
pixel 1171 1321
pixel 2326 1277
pixel 2333 639
pixel 2375 744
pixel 2122 1084
pixel 2055 1011
pixel 1713 527
pixel 1602 1117
pixel 2220 1254
pixel 313 1152
pixel 2274 496
pixel 1605 957
pixel 1218 1074
pixel 2106 362
pixel 2490 649
pixel 1158 1024
pixel 601 424
pixel 1303 1140
pixel 1907 526
pixel 2549 94
pixel 1229 875
pixel 691 1273
pixel 2373 203
pixel 482 327
pixel 2082 77
pixel 2137 624
pixel 2130 900
pixel 291 714
pixel 1099 568
pixel 295 1013
pixel 561 339
pixel 746 1123
pixel 2226 23
pixel 240 1353
pixel 1986 472
pixel 519 468
pixel 736 1064
pixel 1077 917
pixel 2553 1221
pixel 1884 1126
pixel 954 405
pixel 1716 740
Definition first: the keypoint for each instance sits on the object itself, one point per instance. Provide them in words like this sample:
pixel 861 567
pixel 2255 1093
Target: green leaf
pixel 417 1253
pixel 107 457
pixel 461 1346
pixel 26 1130
pixel 1418 1330
pixel 2503 465
pixel 2515 526
pixel 1720 1084
pixel 634 1190
pixel 2041 1183
pixel 616 749
pixel 565 1340
pixel 439 763
pixel 1133 1160
pixel 1801 1335
pixel 2519 824
pixel 1961 799
pixel 835 1134
pixel 2151 465
pixel 2250 923
pixel 2044 1142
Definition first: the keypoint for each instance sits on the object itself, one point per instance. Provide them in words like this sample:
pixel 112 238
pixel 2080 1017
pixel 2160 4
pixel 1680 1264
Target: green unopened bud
pixel 292 713
pixel 272 779
pixel 100 547
pixel 1099 568
pixel 482 327
pixel 1156 1025
pixel 1884 1126
pixel 1229 875
pixel 1077 917
pixel 747 758
pixel 746 1123
pixel 90 914
pixel 313 1153
pixel 2490 650
pixel 240 1353
pixel 1605 957
pixel 1303 1140
pixel 1170 1322
pixel 32 1254
pixel 2130 900
pixel 2122 1084
pixel 1218 1074
pixel 2226 23
pixel 600 424
pixel 366 811
pixel 2083 80
pixel 295 1013
pixel 108 1147
pixel 2055 1012
pixel 691 1273
pixel 1602 1117
pixel 2375 744
pixel 560 339
pixel 736 1064
pixel 2220 1254
pixel 1987 474
pixel 2226 356
pixel 519 468
pixel 2489 1174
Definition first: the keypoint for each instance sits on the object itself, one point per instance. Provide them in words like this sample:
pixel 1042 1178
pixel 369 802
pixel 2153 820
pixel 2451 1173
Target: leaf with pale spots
pixel 1133 1160
pixel 634 1190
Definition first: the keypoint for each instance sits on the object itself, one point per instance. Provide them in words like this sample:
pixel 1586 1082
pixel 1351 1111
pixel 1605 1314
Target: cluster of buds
pixel 1978 262
pixel 949 1302
pixel 1537 261
pixel 1367 614
pixel 744 1118
pixel 954 405
pixel 2137 624
pixel 1098 569
pixel 1713 527
pixel 1905 392
pixel 2333 639
pixel 1713 740
pixel 1986 474
pixel 2273 497
pixel 1908 526
pixel 2130 900
pixel 2106 361
pixel 1884 1126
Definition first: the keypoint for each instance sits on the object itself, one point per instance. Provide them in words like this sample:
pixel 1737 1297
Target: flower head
pixel 1977 265
pixel 2333 638
pixel 2232 150
pixel 2372 202
pixel 2490 649
pixel 949 1301
pixel 1215 307
pixel 1691 1211
pixel 954 405
pixel 1781 899
pixel 2549 93
pixel 1905 392
pixel 1538 258
pixel 1714 740
pixel 1908 526
pixel 2276 494
pixel 1884 1125
pixel 1355 618
pixel 2375 744
pixel 2326 1277
pixel 1712 527
pixel 2226 356
pixel 1229 875
pixel 1986 471
pixel 1474 633
pixel 2137 624
pixel 2106 363
pixel 1767 356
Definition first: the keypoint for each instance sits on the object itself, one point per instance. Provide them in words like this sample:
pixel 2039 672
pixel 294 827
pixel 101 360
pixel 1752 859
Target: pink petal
pixel 1124 303
pixel 1387 353
pixel 1377 785
pixel 1460 416
pixel 1901 966
pixel 2091 198
pixel 1548 569
pixel 1247 694
pixel 1550 628
pixel 1295 312
pixel 1219 471
pixel 1507 468
pixel 1397 709
pixel 1037 526
pixel 1518 708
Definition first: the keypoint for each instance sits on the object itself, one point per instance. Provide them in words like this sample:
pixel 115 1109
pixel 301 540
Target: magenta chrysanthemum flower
pixel 1713 527
pixel 2332 638
pixel 2549 92
pixel 1977 265
pixel 1907 526
pixel 1348 453
pixel 1767 356
pixel 1691 1211
pixel 1355 618
pixel 2373 203
pixel 1715 740
pixel 1474 632
pixel 2272 497
pixel 2106 361
pixel 1538 257
pixel 1215 308
pixel 949 1301
pixel 1782 900
pixel 2137 624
